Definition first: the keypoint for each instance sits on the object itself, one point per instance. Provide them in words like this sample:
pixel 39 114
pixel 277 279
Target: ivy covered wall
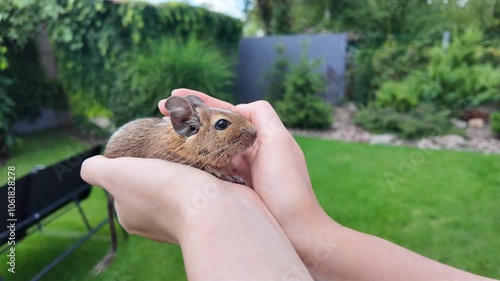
pixel 91 38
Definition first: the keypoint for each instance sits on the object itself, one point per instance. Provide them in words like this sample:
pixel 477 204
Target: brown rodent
pixel 195 134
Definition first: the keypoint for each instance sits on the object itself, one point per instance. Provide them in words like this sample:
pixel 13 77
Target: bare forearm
pixel 344 254
pixel 241 242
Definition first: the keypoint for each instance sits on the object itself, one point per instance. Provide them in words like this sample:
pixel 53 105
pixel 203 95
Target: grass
pixel 44 148
pixel 441 204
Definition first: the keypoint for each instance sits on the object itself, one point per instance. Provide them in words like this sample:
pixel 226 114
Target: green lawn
pixel 442 204
pixel 44 148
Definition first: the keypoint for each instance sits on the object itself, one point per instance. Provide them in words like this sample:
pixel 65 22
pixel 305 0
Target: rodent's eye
pixel 222 124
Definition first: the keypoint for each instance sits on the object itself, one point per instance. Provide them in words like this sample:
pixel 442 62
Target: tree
pixel 19 22
pixel 373 19
pixel 274 15
pixel 264 10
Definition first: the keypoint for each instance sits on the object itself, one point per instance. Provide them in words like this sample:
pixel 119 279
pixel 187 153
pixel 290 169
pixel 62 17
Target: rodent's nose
pixel 251 132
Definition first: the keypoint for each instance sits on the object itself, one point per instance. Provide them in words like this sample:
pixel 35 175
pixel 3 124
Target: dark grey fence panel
pixel 256 57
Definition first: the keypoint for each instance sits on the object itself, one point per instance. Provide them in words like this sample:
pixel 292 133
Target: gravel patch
pixel 477 139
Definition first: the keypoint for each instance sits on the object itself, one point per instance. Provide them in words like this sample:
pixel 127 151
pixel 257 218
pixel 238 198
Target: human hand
pixel 215 222
pixel 276 169
pixel 155 202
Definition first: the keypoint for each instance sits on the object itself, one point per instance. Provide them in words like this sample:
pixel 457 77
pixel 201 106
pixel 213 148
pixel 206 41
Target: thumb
pixel 259 112
pixel 266 120
pixel 162 108
pixel 94 170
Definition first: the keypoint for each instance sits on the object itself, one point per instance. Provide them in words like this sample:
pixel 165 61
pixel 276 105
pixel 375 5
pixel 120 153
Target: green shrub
pixel 373 66
pixel 400 95
pixel 274 80
pixel 424 120
pixel 7 138
pixel 301 107
pixel 456 78
pixel 150 74
pixel 393 61
pixel 3 58
pixel 360 75
pixel 495 123
pixel 492 53
pixel 84 106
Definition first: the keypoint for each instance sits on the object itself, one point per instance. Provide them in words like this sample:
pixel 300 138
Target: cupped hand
pixel 215 222
pixel 275 166
pixel 158 199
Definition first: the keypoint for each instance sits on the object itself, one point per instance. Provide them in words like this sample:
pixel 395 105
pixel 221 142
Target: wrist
pixel 314 237
pixel 238 230
pixel 216 211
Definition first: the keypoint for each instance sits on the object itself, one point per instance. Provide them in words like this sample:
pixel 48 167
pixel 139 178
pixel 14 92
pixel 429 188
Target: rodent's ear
pixel 195 101
pixel 184 118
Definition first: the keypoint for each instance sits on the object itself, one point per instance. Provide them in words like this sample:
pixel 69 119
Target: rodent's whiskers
pixel 218 157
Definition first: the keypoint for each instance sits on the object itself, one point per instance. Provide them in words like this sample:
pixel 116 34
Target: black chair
pixel 43 192
pixel 56 186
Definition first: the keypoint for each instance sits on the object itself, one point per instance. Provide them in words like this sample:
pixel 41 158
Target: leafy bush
pixel 84 107
pixel 393 61
pixel 400 95
pixel 360 75
pixel 3 59
pixel 424 120
pixel 372 66
pixel 150 74
pixel 495 123
pixel 7 138
pixel 274 80
pixel 455 78
pixel 301 107
pixel 492 53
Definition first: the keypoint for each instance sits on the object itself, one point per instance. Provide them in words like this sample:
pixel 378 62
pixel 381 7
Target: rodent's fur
pixel 187 137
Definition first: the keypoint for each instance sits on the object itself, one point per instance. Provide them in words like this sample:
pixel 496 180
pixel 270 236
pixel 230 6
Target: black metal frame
pixel 42 193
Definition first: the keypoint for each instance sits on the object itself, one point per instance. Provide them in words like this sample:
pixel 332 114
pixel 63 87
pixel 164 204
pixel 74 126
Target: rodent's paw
pixel 236 179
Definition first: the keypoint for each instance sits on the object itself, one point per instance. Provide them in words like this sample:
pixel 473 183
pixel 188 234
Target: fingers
pixel 163 109
pixel 146 191
pixel 263 116
pixel 119 172
pixel 208 100
pixel 259 112
pixel 128 173
pixel 241 167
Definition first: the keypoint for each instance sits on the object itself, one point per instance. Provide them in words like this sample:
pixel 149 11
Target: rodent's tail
pixel 104 263
pixel 108 259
